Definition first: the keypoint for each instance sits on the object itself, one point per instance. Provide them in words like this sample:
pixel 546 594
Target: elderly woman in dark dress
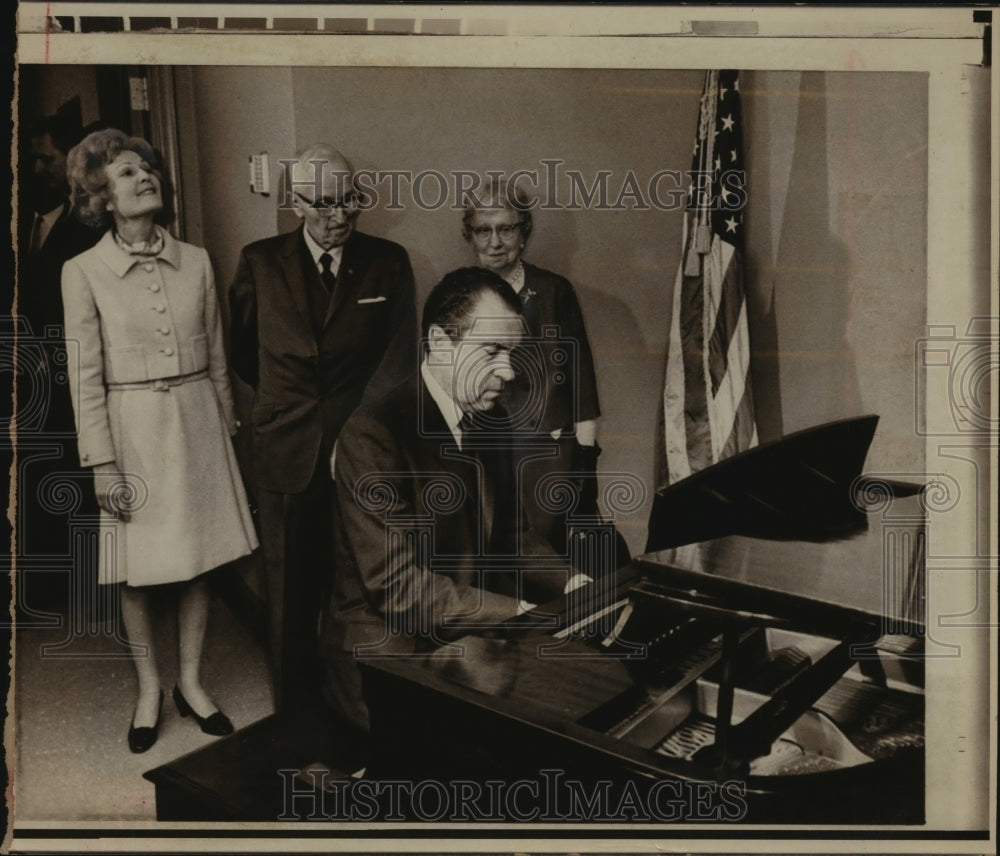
pixel 154 414
pixel 553 399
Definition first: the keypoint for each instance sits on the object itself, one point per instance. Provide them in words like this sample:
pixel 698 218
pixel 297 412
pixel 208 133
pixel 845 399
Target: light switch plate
pixel 260 181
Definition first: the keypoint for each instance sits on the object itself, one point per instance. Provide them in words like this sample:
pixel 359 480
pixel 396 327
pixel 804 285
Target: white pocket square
pixel 371 299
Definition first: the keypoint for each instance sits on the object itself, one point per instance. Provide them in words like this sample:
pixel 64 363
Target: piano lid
pixel 874 574
pixel 798 487
pixel 778 529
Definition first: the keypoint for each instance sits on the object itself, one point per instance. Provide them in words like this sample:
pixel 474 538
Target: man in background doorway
pixel 322 318
pixel 46 432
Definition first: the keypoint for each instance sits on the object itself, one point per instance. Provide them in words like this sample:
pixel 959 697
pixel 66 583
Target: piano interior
pixel 872 711
pixel 782 649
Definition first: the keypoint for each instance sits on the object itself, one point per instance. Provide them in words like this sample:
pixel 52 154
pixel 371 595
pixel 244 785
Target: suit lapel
pixel 435 437
pixel 479 444
pixel 59 229
pixel 348 278
pixel 486 472
pixel 500 502
pixel 465 464
pixel 294 275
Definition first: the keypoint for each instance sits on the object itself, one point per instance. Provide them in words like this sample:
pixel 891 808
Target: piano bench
pixel 250 776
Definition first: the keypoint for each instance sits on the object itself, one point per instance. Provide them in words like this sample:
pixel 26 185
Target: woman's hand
pixel 586 432
pixel 112 491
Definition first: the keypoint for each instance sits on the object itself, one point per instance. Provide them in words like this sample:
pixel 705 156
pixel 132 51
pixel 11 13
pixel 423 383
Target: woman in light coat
pixel 154 413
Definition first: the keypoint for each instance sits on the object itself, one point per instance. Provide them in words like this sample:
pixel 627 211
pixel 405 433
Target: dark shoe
pixel 141 739
pixel 217 724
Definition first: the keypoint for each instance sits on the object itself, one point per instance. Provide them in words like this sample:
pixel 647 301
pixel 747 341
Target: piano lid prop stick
pixel 612 637
pixel 587 620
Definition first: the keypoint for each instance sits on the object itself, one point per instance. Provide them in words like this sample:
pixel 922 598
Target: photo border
pixel 945 41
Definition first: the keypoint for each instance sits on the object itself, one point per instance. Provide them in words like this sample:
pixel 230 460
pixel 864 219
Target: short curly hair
pixel 499 194
pixel 86 170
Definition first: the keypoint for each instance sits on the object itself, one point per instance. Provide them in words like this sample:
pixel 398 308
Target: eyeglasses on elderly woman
pixel 506 231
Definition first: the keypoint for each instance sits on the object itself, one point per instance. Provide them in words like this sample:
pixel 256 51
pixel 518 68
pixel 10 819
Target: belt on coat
pixel 160 384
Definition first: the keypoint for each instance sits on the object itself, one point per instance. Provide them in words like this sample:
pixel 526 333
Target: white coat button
pixel 148 267
pixel 168 351
pixel 155 287
pixel 165 331
pixel 160 308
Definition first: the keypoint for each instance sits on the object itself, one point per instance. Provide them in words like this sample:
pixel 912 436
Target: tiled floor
pixel 73 707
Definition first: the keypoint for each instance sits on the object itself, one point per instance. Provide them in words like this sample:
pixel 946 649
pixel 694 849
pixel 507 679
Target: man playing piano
pixel 428 498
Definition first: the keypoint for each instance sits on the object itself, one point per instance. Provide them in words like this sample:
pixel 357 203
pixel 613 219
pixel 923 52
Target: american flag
pixel 708 398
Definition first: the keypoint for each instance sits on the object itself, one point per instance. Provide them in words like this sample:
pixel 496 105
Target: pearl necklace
pixel 516 278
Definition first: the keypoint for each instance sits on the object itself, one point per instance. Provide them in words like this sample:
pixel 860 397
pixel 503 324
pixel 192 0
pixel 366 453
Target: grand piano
pixel 761 662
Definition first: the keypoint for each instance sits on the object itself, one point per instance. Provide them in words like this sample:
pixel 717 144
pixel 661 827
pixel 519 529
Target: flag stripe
pixel 677 463
pixel 708 394
pixel 727 313
pixel 697 429
pixel 744 432
pixel 726 404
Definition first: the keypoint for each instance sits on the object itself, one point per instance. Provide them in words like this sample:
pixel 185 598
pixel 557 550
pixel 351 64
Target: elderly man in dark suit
pixel 427 491
pixel 46 430
pixel 321 319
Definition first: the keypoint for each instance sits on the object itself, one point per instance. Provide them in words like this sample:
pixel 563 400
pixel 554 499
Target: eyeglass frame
pixel 324 207
pixel 482 234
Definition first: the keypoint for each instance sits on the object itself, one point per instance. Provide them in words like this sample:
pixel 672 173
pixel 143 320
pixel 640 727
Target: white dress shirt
pixel 446 404
pixel 335 253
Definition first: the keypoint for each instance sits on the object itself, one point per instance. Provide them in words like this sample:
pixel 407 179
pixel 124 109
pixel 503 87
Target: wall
pixel 836 253
pixel 622 263
pixel 236 112
pixel 877 155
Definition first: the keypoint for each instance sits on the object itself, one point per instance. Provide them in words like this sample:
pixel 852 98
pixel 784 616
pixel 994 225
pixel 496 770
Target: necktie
pixel 328 276
pixel 466 426
pixel 475 442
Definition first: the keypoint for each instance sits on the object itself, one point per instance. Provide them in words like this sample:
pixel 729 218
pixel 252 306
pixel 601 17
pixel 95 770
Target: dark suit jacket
pixel 40 305
pixel 411 534
pixel 46 428
pixel 563 361
pixel 307 384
